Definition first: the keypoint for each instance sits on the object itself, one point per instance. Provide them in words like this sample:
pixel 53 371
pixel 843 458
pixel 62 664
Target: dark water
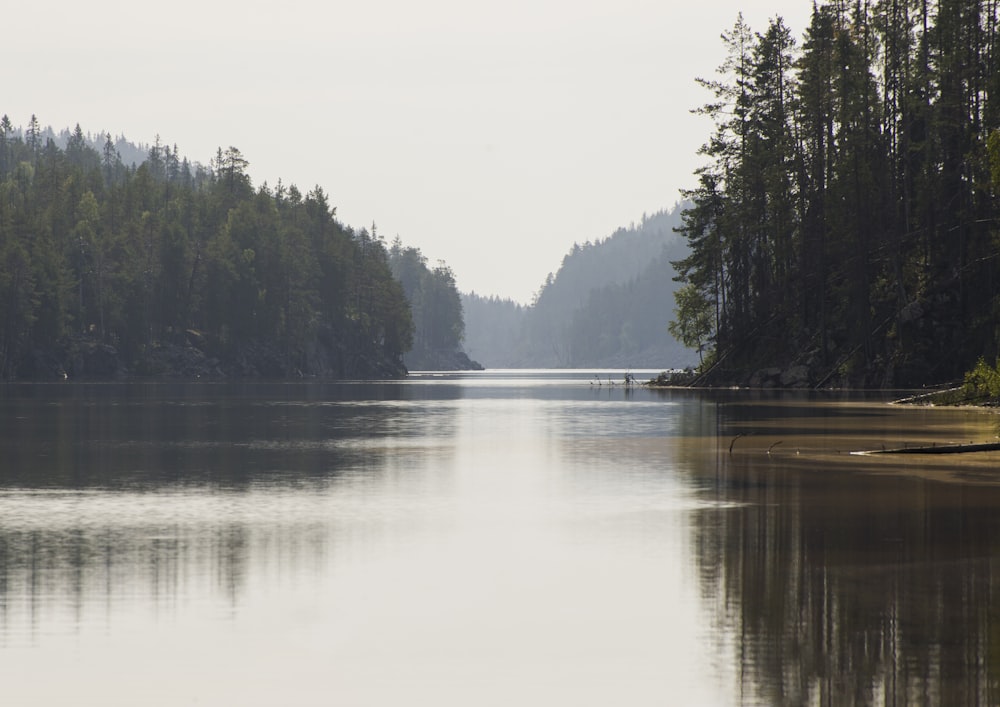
pixel 496 538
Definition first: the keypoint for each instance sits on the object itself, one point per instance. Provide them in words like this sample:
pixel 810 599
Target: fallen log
pixel 938 449
pixel 951 394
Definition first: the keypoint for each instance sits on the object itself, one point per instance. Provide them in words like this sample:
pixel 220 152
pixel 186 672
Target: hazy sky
pixel 491 135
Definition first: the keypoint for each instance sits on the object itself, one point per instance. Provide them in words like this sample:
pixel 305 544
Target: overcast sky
pixel 491 135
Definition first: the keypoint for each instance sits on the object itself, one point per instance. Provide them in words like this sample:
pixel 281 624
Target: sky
pixel 491 135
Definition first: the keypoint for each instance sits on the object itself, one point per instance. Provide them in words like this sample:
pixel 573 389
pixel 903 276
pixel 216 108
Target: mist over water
pixel 494 538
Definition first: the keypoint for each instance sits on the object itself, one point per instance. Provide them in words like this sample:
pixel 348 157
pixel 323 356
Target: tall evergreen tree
pixel 846 216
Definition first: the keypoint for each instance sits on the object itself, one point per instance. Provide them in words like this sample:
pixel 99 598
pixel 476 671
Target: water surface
pixel 496 538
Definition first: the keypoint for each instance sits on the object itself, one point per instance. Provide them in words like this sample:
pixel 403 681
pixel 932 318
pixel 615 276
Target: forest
pixel 110 269
pixel 436 308
pixel 846 218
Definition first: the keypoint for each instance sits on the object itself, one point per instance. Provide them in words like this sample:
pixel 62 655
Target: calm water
pixel 499 538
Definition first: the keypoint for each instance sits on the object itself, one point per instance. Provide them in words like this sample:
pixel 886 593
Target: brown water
pixel 496 538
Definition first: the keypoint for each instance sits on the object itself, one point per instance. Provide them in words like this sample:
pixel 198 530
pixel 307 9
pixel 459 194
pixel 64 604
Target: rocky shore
pixel 440 360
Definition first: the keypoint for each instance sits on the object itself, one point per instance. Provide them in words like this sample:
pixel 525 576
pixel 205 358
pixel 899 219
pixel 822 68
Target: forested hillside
pixel 179 269
pixel 494 328
pixel 436 307
pixel 608 305
pixel 847 221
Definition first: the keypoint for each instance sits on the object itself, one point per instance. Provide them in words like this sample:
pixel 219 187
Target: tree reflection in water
pixel 837 585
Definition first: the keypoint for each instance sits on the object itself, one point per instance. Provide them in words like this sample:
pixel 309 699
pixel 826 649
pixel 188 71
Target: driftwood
pixel 939 449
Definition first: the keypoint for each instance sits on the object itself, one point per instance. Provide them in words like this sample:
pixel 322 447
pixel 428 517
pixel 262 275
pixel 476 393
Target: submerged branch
pixel 938 449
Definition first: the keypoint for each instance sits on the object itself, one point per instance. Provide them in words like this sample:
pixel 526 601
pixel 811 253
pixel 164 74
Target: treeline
pixel 172 267
pixel 436 307
pixel 847 218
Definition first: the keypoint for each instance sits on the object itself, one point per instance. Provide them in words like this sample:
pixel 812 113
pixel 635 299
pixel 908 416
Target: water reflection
pixel 555 541
pixel 160 495
pixel 115 436
pixel 836 581
pixel 93 553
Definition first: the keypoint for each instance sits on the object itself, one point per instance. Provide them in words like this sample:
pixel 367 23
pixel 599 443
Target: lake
pixel 491 538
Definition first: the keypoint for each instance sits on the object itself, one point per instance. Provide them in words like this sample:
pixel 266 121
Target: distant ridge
pixel 132 154
pixel 608 305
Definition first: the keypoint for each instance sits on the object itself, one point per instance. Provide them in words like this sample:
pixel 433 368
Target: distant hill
pixel 608 305
pixel 130 153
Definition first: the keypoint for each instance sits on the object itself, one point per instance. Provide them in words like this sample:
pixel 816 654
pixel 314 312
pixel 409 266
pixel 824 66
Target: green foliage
pixel 993 147
pixel 693 323
pixel 140 257
pixel 982 382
